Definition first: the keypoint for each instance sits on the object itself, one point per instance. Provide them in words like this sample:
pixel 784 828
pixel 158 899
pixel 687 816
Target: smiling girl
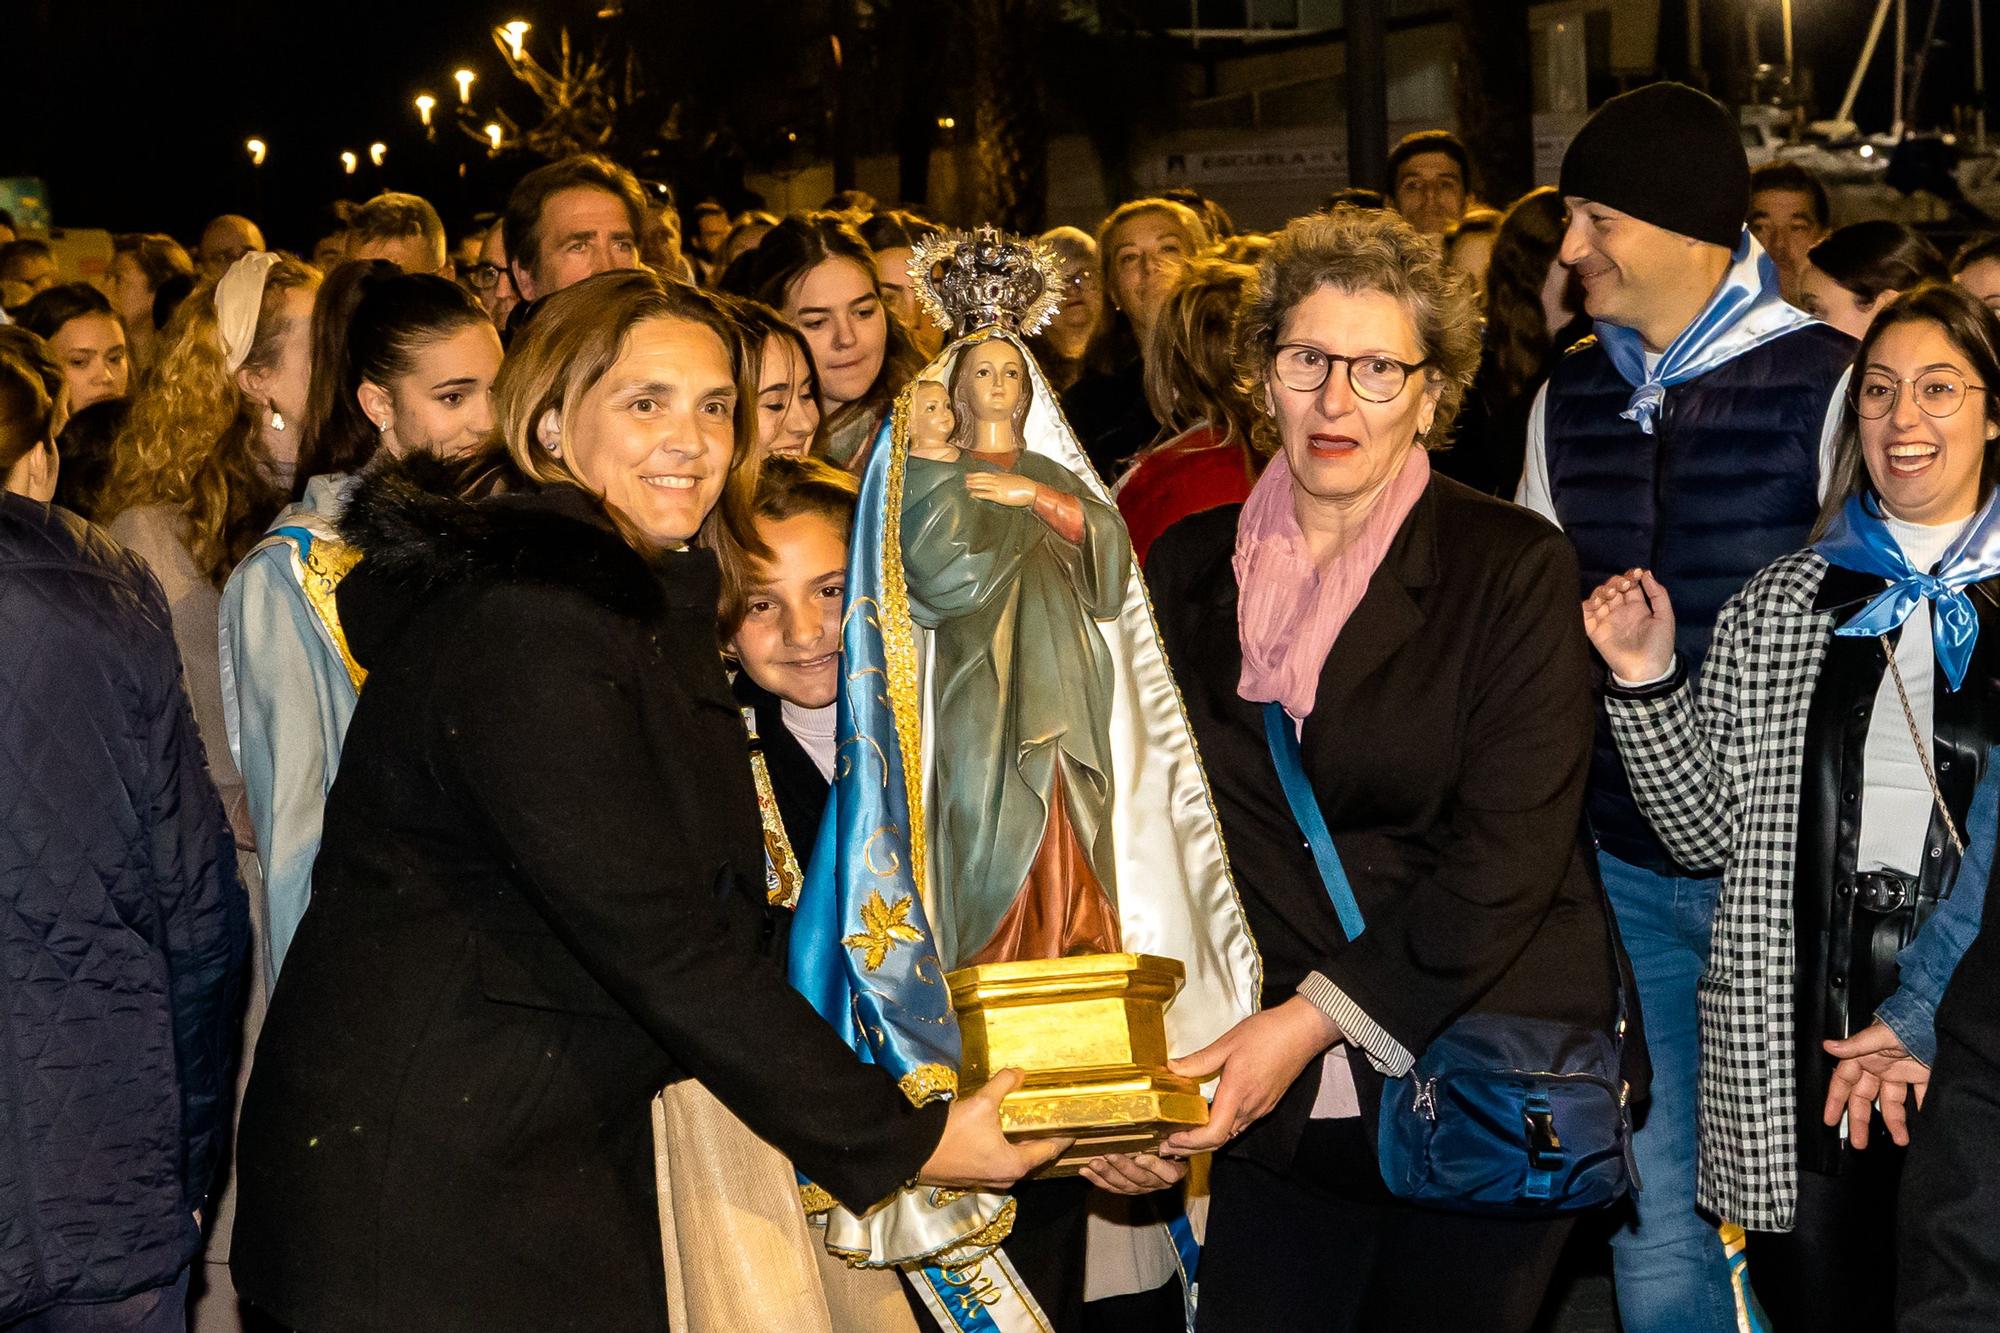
pixel 780 621
pixel 1834 760
pixel 815 269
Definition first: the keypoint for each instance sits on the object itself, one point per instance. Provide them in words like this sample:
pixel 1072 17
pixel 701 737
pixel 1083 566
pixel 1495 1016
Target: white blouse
pixel 1896 801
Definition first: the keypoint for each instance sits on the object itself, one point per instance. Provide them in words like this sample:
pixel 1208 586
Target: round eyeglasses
pixel 1378 379
pixel 1940 393
pixel 483 277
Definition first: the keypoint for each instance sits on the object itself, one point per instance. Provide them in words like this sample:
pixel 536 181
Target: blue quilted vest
pixel 1727 482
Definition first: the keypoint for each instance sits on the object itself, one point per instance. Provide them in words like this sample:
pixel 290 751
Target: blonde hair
pixel 575 337
pixel 193 440
pixel 1114 336
pixel 1190 376
pixel 1363 250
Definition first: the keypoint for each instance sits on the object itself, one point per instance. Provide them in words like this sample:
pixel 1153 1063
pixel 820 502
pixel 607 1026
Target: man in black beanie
pixel 1689 438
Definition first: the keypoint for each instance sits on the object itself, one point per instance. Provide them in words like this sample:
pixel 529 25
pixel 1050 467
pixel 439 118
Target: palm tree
pixel 1495 96
pixel 1010 129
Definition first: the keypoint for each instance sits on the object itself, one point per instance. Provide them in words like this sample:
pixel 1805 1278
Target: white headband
pixel 238 298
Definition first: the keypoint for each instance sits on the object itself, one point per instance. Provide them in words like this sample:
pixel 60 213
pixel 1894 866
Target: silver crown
pixel 967 281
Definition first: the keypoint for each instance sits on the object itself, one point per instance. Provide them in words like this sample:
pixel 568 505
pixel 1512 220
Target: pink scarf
pixel 1288 611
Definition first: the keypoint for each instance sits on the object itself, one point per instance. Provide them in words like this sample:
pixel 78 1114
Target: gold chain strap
pixel 1923 755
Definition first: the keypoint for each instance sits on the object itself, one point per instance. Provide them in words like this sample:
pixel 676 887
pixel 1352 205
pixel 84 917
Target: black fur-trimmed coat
pixel 538 897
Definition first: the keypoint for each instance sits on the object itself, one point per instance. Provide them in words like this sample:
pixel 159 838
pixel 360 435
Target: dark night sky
pixel 135 112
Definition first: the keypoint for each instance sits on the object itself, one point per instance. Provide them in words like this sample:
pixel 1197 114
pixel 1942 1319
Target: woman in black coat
pixel 1423 639
pixel 540 892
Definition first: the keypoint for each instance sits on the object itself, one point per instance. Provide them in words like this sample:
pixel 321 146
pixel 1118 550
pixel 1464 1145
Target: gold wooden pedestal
pixel 1090 1034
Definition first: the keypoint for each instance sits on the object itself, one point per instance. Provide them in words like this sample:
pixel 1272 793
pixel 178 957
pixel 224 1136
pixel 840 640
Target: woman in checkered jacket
pixel 1832 761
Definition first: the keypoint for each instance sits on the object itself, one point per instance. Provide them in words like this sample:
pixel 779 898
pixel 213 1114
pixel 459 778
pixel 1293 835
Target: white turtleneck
pixel 1896 802
pixel 813 729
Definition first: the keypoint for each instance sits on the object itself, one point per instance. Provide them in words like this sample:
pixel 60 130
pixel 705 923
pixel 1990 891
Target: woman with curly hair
pixel 206 460
pixel 1420 644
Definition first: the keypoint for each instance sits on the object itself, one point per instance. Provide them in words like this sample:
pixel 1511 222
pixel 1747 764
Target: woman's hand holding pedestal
pixel 974 1154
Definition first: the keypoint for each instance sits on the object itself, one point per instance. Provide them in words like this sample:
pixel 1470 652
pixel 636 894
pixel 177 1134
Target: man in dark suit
pixel 1686 438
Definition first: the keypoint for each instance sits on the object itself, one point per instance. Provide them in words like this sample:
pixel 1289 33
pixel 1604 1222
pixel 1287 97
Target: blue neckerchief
pixel 1745 312
pixel 1861 541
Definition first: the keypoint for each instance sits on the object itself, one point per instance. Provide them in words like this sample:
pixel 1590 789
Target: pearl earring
pixel 277 420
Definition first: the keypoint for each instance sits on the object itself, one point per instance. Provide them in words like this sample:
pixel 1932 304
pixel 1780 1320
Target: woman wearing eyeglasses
pixel 1422 643
pixel 1832 761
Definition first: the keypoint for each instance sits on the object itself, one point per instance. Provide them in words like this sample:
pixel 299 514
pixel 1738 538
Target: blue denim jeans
pixel 1668 1262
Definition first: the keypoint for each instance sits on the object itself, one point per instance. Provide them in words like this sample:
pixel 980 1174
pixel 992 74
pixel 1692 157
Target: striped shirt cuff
pixel 1383 1051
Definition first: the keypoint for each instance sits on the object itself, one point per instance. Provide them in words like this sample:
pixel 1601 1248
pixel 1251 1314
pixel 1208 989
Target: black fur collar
pixel 415 531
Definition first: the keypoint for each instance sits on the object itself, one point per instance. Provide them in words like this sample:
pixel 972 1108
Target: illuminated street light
pixel 947 122
pixel 514 33
pixel 494 134
pixel 350 162
pixel 424 104
pixel 465 78
pixel 257 150
pixel 376 152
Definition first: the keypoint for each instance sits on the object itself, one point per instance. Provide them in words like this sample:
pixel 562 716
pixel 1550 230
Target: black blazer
pixel 1448 748
pixel 539 897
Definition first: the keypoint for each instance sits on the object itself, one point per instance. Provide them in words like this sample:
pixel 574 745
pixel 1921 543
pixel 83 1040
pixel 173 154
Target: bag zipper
pixel 1424 1103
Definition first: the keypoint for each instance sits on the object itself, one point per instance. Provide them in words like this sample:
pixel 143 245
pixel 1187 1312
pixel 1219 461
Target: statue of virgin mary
pixel 1012 567
pixel 1015 776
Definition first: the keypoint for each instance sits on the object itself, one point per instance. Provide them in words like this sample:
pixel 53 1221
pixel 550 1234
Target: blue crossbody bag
pixel 1501 1114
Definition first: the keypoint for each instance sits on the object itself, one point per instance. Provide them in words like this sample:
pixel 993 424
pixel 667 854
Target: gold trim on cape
pixel 928 1082
pixel 319 575
pixel 899 650
pixel 782 877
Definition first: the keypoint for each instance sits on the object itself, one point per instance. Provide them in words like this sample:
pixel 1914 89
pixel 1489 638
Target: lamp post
pixel 464 78
pixel 257 150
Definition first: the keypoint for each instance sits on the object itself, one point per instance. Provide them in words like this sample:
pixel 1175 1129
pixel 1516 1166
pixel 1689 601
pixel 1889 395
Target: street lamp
pixel 349 162
pixel 376 152
pixel 257 151
pixel 494 134
pixel 465 78
pixel 947 122
pixel 514 32
pixel 424 104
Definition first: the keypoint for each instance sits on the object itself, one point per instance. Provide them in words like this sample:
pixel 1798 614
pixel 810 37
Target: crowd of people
pixel 380 829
